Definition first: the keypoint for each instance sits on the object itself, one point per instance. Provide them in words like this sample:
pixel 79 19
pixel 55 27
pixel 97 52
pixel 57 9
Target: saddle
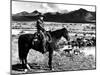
pixel 37 38
pixel 41 37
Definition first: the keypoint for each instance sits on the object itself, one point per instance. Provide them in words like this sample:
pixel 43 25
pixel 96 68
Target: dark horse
pixel 25 43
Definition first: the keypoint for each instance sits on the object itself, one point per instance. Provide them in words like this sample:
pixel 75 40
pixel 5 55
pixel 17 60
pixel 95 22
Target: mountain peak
pixel 82 10
pixel 35 11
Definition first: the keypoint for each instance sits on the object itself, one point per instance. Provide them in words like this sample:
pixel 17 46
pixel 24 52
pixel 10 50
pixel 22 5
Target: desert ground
pixel 86 60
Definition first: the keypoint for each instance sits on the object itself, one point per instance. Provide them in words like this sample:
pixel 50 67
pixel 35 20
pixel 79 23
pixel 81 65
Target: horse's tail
pixel 20 48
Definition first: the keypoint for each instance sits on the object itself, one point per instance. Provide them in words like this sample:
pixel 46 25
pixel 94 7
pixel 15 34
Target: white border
pixel 5 36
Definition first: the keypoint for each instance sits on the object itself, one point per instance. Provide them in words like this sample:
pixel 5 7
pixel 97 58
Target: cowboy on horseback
pixel 42 32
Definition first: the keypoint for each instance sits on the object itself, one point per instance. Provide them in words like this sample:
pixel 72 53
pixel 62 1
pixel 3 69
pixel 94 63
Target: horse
pixel 25 43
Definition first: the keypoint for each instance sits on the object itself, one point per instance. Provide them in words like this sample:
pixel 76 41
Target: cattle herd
pixel 79 42
pixel 83 42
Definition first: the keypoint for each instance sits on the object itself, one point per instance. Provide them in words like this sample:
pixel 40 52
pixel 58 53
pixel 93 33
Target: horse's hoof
pixel 25 70
pixel 28 67
pixel 52 69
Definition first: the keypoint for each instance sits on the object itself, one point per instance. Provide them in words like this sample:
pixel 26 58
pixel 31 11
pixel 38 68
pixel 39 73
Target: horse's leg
pixel 27 65
pixel 23 64
pixel 25 59
pixel 44 45
pixel 50 56
pixel 24 56
pixel 50 60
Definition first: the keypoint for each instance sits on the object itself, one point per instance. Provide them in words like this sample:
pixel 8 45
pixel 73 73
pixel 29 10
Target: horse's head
pixel 65 34
pixel 57 34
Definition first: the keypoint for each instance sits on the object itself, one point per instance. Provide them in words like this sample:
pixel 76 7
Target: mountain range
pixel 77 16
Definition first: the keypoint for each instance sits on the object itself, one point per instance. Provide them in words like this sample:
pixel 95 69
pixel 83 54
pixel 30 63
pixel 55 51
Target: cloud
pixel 18 6
pixel 53 6
pixel 63 11
pixel 48 7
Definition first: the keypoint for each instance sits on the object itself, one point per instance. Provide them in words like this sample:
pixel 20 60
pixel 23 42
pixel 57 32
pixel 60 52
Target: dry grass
pixel 61 61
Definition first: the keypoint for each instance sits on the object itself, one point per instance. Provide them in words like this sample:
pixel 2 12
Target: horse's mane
pixel 57 33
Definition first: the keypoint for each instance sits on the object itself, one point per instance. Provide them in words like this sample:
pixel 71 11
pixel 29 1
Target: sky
pixel 19 6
